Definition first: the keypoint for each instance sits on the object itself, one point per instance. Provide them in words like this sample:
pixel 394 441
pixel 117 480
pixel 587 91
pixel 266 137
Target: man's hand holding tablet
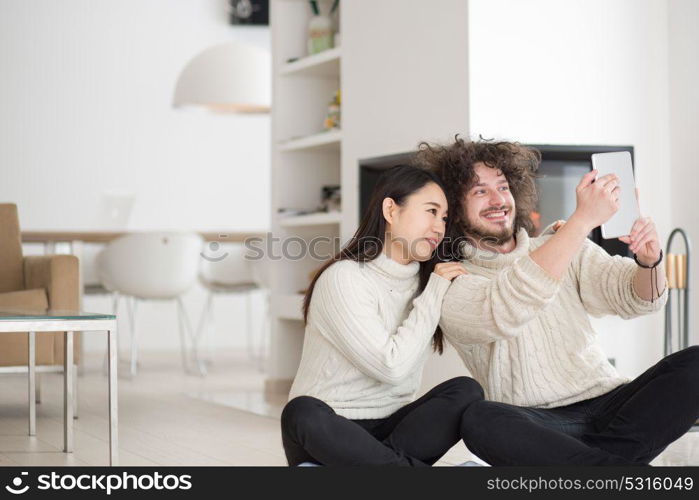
pixel 627 224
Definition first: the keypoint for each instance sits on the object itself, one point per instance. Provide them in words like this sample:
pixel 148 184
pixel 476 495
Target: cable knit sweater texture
pixel 368 336
pixel 525 336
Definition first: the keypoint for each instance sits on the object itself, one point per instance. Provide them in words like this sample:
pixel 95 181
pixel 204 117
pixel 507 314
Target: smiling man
pixel 520 319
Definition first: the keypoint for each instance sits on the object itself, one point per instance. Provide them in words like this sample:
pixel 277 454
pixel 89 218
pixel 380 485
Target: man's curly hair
pixel 454 164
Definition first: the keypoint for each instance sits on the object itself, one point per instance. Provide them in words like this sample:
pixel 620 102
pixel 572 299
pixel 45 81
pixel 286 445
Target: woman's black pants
pixel 416 435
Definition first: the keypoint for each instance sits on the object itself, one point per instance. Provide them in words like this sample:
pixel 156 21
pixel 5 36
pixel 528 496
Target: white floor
pixel 169 418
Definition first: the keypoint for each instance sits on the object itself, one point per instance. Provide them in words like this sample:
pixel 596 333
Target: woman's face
pixel 415 229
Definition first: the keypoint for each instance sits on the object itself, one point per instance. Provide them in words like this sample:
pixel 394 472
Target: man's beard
pixel 497 238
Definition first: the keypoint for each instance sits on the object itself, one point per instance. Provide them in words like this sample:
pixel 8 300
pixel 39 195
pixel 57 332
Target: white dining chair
pixel 261 272
pixel 226 269
pixel 154 266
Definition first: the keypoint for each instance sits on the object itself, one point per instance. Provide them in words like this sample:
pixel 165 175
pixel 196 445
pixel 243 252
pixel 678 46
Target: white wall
pixel 684 129
pixel 582 72
pixel 404 80
pixel 85 108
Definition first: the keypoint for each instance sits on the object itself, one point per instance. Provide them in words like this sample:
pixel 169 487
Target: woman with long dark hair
pixel 370 319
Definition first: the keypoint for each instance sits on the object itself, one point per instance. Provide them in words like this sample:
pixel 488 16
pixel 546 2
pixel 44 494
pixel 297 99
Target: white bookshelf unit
pixel 323 64
pixel 320 219
pixel 289 306
pixel 305 158
pixel 323 141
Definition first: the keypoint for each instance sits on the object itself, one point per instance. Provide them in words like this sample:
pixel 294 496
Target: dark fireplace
pixel 559 173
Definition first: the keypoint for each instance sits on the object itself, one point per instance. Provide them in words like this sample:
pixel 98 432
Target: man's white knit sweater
pixel 525 336
pixel 367 336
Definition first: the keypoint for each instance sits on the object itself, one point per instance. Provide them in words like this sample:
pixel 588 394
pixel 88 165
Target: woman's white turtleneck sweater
pixel 368 336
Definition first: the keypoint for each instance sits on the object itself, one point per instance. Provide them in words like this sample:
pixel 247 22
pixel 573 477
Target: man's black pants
pixel 629 425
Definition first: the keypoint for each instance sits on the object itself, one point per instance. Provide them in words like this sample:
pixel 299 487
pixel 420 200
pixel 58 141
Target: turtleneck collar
pixel 392 269
pixel 495 260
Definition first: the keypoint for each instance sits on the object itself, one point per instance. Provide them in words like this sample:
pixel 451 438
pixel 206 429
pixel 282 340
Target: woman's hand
pixel 449 270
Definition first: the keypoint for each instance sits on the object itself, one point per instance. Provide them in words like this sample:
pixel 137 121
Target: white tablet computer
pixel 619 163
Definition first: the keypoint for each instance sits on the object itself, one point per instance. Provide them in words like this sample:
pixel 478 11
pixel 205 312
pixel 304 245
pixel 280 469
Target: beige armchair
pixel 37 282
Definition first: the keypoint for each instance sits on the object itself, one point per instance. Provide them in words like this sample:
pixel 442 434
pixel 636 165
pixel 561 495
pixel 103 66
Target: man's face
pixel 488 206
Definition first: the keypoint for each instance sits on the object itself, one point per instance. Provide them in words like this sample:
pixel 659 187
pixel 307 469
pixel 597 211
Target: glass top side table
pixel 51 320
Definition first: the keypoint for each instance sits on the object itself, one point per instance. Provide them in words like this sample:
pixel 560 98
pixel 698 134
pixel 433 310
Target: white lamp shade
pixel 229 78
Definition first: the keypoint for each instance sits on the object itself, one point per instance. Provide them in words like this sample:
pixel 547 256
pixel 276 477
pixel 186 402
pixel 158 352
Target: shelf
pixel 322 141
pixel 319 219
pixel 289 306
pixel 325 64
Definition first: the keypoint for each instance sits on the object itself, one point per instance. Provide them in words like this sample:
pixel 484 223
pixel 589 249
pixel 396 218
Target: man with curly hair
pixel 520 318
